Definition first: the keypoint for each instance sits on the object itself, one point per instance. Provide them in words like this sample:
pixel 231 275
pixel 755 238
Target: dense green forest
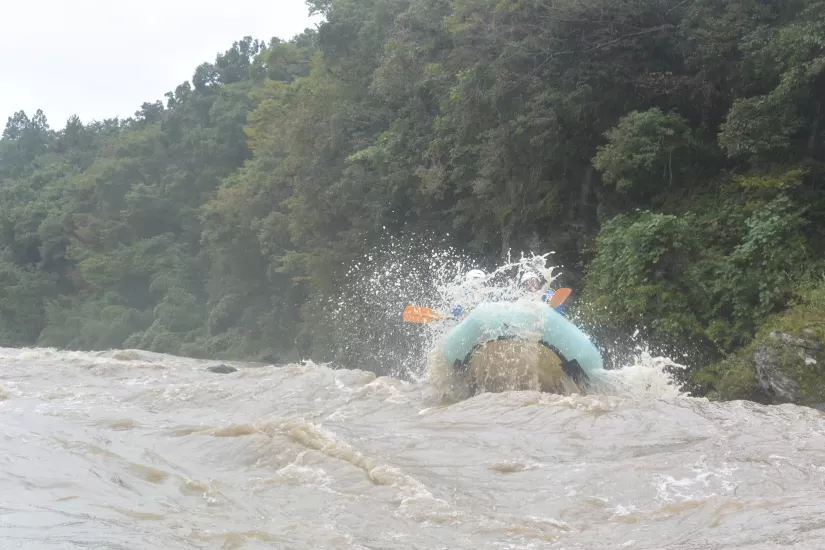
pixel 670 152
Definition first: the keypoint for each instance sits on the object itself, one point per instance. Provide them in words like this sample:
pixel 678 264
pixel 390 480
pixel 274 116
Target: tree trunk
pixel 586 187
pixel 812 138
pixel 506 232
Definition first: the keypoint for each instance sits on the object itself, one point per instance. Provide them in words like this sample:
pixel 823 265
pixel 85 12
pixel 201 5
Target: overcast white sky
pixel 103 58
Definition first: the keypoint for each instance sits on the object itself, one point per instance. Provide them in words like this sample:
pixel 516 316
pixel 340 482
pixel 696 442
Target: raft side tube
pixel 525 320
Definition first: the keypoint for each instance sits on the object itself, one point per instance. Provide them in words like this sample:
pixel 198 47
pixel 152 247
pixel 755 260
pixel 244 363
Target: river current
pixel 134 450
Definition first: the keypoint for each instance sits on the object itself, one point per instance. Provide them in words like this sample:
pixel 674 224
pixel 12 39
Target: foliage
pixel 643 149
pixel 670 152
pixel 700 283
pixel 645 275
pixel 735 376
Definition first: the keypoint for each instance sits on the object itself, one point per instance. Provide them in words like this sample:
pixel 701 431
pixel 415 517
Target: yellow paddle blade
pixel 421 314
pixel 559 297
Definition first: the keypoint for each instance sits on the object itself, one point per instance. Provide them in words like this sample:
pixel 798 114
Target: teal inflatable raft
pixel 510 334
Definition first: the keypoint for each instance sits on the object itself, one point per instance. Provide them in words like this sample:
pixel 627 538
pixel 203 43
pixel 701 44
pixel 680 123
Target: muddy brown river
pixel 133 450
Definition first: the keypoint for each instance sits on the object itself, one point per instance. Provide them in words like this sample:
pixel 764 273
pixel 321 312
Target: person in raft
pixel 472 281
pixel 531 282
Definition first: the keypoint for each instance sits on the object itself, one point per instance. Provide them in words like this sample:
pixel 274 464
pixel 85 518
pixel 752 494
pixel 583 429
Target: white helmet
pixel 474 275
pixel 529 275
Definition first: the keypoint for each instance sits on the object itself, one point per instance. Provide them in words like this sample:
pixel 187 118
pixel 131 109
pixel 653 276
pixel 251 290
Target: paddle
pixel 559 297
pixel 421 314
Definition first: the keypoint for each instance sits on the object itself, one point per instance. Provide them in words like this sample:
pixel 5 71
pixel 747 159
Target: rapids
pixel 134 450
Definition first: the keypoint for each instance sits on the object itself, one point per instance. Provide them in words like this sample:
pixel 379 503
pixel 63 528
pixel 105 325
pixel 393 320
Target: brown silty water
pixel 133 450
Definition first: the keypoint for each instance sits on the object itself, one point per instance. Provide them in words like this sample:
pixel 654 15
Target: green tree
pixel 646 151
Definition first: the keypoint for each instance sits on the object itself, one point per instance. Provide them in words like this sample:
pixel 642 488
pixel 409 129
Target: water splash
pixel 500 284
pixel 369 331
pixel 409 270
pixel 645 377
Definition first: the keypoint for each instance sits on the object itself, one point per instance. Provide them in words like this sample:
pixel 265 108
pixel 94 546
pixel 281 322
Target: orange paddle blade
pixel 421 314
pixel 559 297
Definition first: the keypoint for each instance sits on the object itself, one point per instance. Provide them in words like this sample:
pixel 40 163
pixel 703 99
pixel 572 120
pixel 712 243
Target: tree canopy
pixel 670 152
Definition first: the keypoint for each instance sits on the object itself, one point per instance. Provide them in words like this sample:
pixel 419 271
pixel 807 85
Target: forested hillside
pixel 669 151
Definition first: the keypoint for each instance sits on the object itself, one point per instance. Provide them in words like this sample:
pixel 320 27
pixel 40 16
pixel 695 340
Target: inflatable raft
pixel 521 345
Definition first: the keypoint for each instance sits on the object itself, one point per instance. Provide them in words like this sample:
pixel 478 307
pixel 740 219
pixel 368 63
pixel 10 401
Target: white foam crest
pixel 707 482
pixel 413 498
pixel 645 377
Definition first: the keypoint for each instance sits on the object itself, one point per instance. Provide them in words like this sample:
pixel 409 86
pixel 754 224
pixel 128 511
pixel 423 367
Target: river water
pixel 133 450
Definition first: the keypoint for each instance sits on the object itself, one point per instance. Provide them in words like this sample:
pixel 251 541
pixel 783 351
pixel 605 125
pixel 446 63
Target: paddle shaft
pixel 422 314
